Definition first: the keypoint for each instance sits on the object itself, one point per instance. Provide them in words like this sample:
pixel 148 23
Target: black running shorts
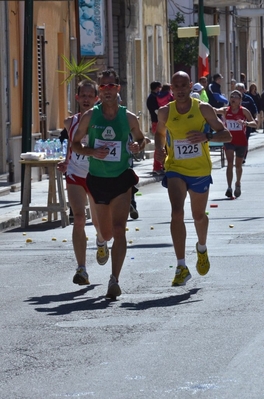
pixel 104 189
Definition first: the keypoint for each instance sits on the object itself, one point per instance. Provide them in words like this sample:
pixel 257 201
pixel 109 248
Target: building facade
pixel 239 47
pixel 51 32
pixel 129 35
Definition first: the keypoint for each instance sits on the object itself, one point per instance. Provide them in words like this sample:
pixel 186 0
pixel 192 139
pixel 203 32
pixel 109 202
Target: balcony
pixel 229 3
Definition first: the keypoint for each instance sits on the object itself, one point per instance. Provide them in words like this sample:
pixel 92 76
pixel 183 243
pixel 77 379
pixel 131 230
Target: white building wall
pixel 244 48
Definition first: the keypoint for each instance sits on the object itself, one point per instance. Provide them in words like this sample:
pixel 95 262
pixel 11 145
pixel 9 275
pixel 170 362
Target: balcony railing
pixel 227 3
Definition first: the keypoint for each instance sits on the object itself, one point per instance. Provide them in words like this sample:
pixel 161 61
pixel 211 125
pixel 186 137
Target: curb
pixel 15 221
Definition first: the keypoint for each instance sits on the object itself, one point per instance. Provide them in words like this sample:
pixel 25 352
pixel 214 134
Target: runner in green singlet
pixel 111 178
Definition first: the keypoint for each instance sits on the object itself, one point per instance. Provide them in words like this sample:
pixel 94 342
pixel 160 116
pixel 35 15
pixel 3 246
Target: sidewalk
pixel 10 205
pixel 10 201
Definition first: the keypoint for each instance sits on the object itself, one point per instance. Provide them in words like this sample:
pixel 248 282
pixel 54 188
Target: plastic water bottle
pixel 64 148
pixel 42 145
pixel 49 149
pixel 57 148
pixel 37 146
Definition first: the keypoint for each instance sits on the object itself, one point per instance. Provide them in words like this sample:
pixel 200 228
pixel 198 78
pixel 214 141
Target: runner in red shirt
pixel 237 119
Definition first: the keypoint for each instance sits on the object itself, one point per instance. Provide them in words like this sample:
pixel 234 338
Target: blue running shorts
pixel 198 184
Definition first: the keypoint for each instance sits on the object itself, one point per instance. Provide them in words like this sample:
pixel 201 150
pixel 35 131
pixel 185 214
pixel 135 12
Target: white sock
pixel 201 248
pixel 100 244
pixel 181 262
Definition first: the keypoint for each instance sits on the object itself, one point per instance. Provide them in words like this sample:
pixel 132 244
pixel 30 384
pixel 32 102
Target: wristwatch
pixel 209 136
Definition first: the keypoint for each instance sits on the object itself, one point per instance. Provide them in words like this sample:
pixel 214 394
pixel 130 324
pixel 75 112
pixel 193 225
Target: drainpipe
pixel 21 32
pixel 216 43
pixel 227 48
pixel 262 50
pixel 110 34
pixel 234 45
pixel 7 98
pixel 27 84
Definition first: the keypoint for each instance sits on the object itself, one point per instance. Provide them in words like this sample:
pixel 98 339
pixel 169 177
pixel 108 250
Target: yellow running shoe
pixel 181 277
pixel 203 264
pixel 102 253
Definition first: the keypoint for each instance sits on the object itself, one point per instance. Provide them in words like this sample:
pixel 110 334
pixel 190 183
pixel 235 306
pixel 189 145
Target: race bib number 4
pixel 114 148
pixel 183 149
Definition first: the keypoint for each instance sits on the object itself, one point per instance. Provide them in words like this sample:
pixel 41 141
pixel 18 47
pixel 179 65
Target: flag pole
pixel 203 65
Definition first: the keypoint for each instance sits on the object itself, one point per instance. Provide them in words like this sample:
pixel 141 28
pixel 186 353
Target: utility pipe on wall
pixel 110 34
pixel 227 15
pixel 216 44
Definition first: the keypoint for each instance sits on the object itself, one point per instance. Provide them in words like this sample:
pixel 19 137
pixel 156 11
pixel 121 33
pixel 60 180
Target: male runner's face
pixel 86 98
pixel 181 88
pixel 108 90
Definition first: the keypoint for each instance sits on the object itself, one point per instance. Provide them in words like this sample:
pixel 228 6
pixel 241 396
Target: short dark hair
pixel 154 85
pixel 88 83
pixel 166 87
pixel 217 76
pixel 109 72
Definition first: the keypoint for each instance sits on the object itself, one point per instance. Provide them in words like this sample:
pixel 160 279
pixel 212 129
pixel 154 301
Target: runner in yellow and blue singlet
pixel 183 128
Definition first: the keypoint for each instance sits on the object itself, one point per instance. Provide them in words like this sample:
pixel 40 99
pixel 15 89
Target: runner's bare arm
pixel 160 135
pixel 250 122
pixel 62 166
pixel 220 111
pixel 67 125
pixel 221 133
pixel 138 143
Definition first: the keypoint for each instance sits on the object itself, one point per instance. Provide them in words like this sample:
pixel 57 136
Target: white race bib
pixel 81 161
pixel 233 125
pixel 114 149
pixel 183 149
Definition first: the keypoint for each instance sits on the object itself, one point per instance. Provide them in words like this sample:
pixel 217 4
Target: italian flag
pixel 203 64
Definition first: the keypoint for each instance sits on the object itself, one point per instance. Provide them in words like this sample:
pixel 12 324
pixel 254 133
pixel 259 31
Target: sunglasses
pixel 235 97
pixel 108 86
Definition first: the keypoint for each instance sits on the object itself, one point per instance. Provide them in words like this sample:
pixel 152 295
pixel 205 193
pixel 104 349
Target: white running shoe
pixel 113 288
pixel 81 277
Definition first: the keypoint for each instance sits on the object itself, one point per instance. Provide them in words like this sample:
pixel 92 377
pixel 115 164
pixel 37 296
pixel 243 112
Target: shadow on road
pixel 171 300
pixel 100 303
pixel 155 245
pixel 72 305
pixel 67 296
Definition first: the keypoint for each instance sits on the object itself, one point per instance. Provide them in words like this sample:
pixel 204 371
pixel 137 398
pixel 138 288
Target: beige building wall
pixel 155 33
pixel 56 19
pixel 142 56
pixel 53 16
pixel 16 67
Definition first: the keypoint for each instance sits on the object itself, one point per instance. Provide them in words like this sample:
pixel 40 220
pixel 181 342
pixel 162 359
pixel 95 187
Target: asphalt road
pixel 204 340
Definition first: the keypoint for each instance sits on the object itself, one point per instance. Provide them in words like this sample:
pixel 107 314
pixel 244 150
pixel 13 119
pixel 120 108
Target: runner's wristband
pixel 209 136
